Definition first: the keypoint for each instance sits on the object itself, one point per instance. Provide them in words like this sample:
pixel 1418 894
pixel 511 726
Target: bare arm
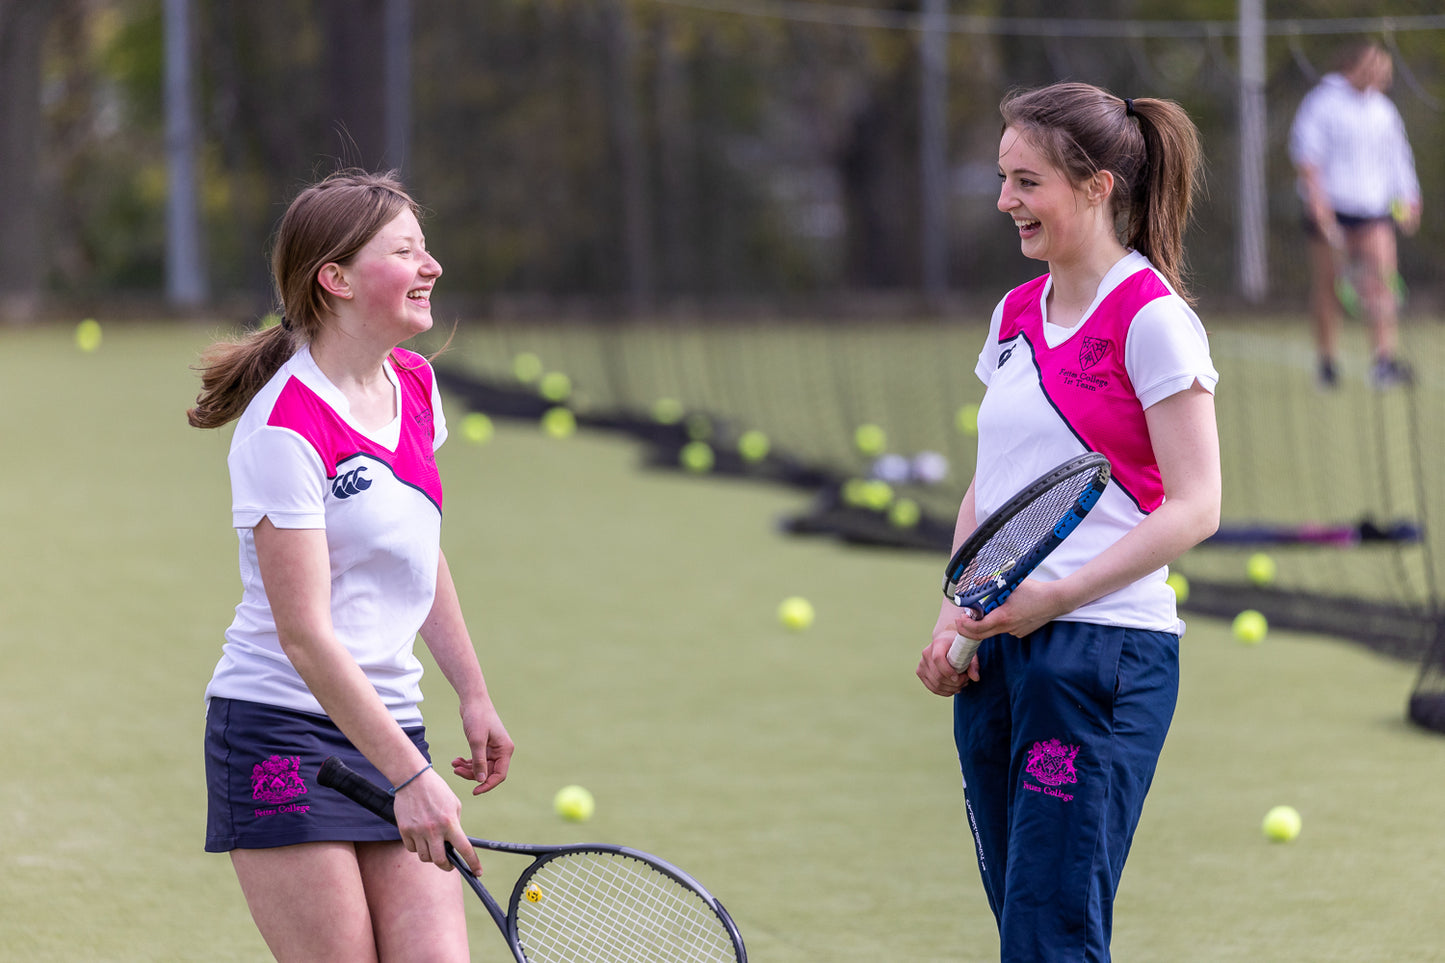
pixel 445 634
pixel 296 570
pixel 1317 202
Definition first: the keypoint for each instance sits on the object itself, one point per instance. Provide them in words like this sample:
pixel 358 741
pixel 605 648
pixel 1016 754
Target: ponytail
pixel 1160 204
pixel 233 371
pixel 330 221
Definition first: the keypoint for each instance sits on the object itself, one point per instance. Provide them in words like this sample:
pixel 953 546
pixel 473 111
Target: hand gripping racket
pixel 587 903
pixel 1012 541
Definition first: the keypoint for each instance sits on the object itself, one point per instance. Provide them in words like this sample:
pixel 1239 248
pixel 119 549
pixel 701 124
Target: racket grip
pixel 960 653
pixel 335 774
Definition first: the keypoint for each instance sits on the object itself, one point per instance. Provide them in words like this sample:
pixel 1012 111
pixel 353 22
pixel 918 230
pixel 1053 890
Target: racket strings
pixel 1019 535
pixel 595 907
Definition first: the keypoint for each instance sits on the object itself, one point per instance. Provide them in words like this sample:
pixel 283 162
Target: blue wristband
pixel 398 788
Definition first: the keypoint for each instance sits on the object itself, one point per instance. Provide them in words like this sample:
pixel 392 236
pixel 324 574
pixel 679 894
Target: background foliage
pixel 641 151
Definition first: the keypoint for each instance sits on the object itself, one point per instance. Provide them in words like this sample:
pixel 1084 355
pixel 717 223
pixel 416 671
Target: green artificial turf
pixel 626 621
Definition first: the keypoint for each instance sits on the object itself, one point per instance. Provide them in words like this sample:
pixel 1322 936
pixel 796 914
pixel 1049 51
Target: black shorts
pixel 1349 223
pixel 261 764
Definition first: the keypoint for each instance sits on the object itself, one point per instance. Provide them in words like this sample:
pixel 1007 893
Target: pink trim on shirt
pixel 1086 382
pixel 303 411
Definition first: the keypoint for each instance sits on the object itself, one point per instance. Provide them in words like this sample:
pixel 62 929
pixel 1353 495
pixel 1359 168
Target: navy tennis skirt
pixel 261 765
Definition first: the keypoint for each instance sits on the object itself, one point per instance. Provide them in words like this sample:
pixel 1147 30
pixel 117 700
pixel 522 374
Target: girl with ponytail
pixel 1060 718
pixel 336 502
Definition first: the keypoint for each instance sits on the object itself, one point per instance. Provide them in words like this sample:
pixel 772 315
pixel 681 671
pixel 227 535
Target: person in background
pixel 1061 716
pixel 1356 178
pixel 336 501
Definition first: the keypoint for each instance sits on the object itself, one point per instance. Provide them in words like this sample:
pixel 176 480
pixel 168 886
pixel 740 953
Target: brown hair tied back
pixel 1156 161
pixel 328 222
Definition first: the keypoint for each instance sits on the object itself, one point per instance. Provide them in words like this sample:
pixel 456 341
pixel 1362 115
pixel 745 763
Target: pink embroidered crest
pixel 277 780
pixel 1052 763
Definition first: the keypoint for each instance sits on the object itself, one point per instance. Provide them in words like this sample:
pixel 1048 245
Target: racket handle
pixel 960 653
pixel 335 774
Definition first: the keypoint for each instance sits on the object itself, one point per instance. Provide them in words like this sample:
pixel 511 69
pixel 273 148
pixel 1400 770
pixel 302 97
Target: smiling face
pixel 392 278
pixel 1056 220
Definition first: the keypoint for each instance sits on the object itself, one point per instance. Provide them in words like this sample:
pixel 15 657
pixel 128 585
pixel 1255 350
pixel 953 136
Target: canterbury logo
pixel 350 483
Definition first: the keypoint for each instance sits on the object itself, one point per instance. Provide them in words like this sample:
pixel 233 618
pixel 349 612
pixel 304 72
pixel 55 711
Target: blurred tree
pixel 23 25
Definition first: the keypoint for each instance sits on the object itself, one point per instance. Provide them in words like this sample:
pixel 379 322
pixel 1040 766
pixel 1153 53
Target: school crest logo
pixel 277 780
pixel 1052 763
pixel 1092 351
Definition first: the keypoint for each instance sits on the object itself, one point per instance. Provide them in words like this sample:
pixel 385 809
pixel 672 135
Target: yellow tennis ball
pixel 1260 568
pixel 477 428
pixel 696 456
pixel 966 420
pixel 796 613
pixel 1281 824
pixel 87 335
pixel 1180 585
pixel 753 446
pixel 877 494
pixel 527 367
pixel 870 439
pixel 559 422
pixel 574 804
pixel 667 411
pixel 699 427
pixel 1399 210
pixel 905 513
pixel 855 492
pixel 1250 626
pixel 555 386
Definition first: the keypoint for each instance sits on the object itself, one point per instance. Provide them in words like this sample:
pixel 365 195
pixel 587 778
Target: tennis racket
pixel 1012 541
pixel 588 903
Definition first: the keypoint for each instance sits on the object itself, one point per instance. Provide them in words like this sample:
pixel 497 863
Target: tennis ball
pixel 667 411
pixel 555 386
pixel 855 492
pixel 966 420
pixel 1399 210
pixel 696 456
pixel 1281 824
pixel 796 613
pixel 877 494
pixel 477 428
pixel 1250 626
pixel 870 439
pixel 527 367
pixel 753 446
pixel 559 422
pixel 699 427
pixel 574 804
pixel 905 513
pixel 87 335
pixel 1260 568
pixel 1180 585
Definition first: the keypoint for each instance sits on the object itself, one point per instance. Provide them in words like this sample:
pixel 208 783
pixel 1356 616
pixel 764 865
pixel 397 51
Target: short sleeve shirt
pixel 298 459
pixel 1055 393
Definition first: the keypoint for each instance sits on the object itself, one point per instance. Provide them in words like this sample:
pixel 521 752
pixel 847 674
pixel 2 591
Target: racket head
pixel 599 904
pixel 1011 542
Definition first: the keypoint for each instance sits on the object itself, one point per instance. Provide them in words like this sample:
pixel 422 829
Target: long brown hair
pixel 328 222
pixel 1149 145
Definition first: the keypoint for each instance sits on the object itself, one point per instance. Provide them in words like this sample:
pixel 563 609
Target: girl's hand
pixel 491 747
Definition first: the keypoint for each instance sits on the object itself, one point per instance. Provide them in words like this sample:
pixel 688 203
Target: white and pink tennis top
pixel 1054 393
pixel 298 459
